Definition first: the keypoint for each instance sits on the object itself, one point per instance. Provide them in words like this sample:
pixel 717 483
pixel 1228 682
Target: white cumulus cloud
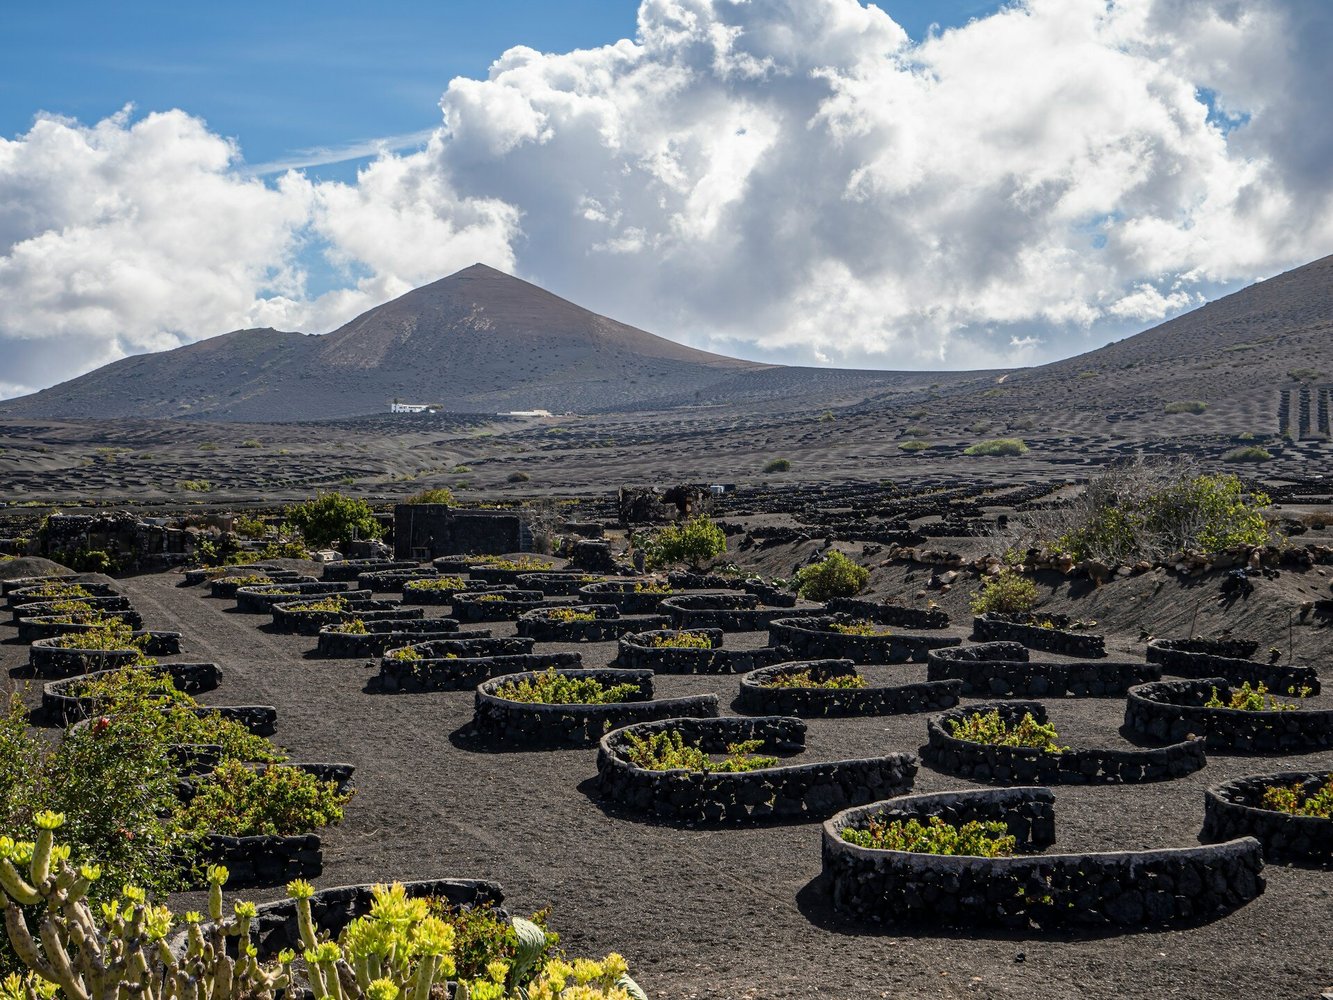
pixel 793 180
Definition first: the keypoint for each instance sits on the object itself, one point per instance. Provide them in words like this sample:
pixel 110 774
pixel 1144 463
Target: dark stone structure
pixel 349 570
pixel 1229 658
pixel 50 626
pixel 624 595
pixel 758 698
pixel 539 725
pixel 788 792
pixel 814 639
pixel 606 626
pixel 381 636
pixel 466 672
pixel 259 599
pixel 1004 670
pixel 1233 809
pixel 922 619
pixel 637 653
pixel 1168 711
pixel 226 586
pixel 433 529
pixel 61 703
pixel 1023 628
pixel 731 612
pixel 293 619
pixel 499 606
pixel 48 660
pixel 983 762
pixel 1124 889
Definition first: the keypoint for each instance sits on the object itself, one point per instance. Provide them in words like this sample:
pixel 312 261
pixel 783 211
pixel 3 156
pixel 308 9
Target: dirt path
pixel 733 913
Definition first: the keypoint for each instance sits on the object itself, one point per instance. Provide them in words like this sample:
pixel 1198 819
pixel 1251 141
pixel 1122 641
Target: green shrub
pixel 249 527
pixel 1256 699
pixel 805 679
pixel 1294 800
pixel 864 629
pixel 990 729
pixel 835 576
pixel 332 517
pixel 551 688
pixel 693 542
pixel 237 801
pixel 1304 374
pixel 913 445
pixel 827 417
pixel 778 465
pixel 251 443
pixel 667 750
pixel 999 446
pixel 518 477
pixel 1008 593
pixel 1249 453
pixel 436 583
pixel 680 640
pixel 1194 406
pixel 975 839
pixel 196 485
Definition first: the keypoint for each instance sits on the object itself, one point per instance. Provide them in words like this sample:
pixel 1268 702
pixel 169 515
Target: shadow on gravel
pixel 814 903
pixel 469 740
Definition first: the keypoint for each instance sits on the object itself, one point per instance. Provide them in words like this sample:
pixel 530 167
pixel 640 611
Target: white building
pixel 397 407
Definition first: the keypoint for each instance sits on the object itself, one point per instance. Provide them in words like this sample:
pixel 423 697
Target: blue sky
pixel 781 180
pixel 290 77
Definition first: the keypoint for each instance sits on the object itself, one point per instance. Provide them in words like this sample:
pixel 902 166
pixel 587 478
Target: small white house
pixel 397 407
pixel 527 413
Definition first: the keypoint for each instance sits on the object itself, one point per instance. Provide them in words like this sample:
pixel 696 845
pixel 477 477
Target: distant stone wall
pixel 728 612
pixel 1168 711
pixel 442 530
pixel 637 653
pixel 999 628
pixel 462 674
pixel 1196 658
pixel 924 619
pixel 813 638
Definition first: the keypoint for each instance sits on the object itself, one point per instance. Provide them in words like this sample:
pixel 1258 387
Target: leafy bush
pixel 1256 699
pixel 249 527
pixel 999 447
pixel 693 541
pixel 332 517
pixel 975 839
pixel 1304 374
pixel 197 485
pixel 805 679
pixel 352 626
pixel 868 630
pixel 913 445
pixel 1249 453
pixel 667 750
pixel 1149 511
pixel 1294 800
pixel 251 443
pixel 835 576
pixel 334 602
pixel 989 728
pixel 437 583
pixel 551 688
pixel 441 494
pixel 1008 593
pixel 570 616
pixel 107 635
pixel 778 465
pixel 523 564
pixel 1194 406
pixel 518 477
pixel 680 640
pixel 405 654
pixel 236 801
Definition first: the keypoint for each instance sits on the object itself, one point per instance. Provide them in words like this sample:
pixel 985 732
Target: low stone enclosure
pixel 29 595
pixel 730 612
pixel 462 664
pixel 757 697
pixel 1005 670
pixel 259 599
pixel 50 626
pixel 496 605
pixel 814 638
pixel 274 927
pixel 1121 889
pixel 271 860
pixel 1167 711
pixel 524 724
pixel 1024 628
pixel 770 595
pixel 626 596
pixel 28 609
pixel 293 618
pixel 437 596
pixel 226 587
pixel 923 619
pixel 388 581
pixel 1233 809
pixel 545 624
pixel 45 659
pixel 556 584
pixel 347 570
pixel 787 792
pixel 637 652
pixel 1229 658
pixel 1005 765
pixel 387 634
pixel 61 704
